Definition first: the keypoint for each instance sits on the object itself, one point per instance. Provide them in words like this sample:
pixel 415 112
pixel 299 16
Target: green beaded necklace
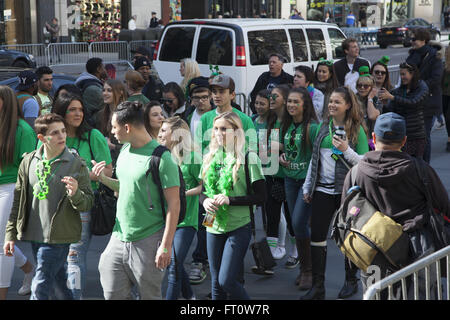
pixel 43 169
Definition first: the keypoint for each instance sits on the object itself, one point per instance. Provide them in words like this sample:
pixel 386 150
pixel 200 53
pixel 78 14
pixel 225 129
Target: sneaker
pixel 291 262
pixel 262 272
pixel 278 252
pixel 25 289
pixel 197 273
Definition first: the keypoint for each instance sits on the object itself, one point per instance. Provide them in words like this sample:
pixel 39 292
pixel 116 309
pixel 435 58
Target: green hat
pixel 364 71
pixel 384 60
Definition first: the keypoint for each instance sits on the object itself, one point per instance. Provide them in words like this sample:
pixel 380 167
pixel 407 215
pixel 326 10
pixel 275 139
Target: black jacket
pixel 431 70
pixel 262 83
pixel 153 89
pixel 410 105
pixel 341 68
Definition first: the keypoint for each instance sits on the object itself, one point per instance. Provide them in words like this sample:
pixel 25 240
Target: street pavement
pixel 280 286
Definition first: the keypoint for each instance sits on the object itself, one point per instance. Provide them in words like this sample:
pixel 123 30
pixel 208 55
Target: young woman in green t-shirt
pixel 90 145
pixel 226 201
pixel 298 130
pixel 16 138
pixel 340 142
pixel 176 136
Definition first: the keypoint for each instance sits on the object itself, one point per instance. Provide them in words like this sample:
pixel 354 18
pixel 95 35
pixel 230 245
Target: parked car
pixel 399 32
pixel 58 80
pixel 14 58
pixel 241 47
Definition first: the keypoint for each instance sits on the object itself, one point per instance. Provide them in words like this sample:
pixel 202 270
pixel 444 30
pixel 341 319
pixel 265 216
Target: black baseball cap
pixel 26 80
pixel 140 62
pixel 198 82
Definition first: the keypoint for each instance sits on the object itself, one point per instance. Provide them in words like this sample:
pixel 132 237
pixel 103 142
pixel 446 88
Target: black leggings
pixel 446 112
pixel 272 210
pixel 323 207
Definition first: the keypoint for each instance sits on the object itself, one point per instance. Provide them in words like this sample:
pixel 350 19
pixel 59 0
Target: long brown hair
pixel 119 95
pixel 353 116
pixel 9 119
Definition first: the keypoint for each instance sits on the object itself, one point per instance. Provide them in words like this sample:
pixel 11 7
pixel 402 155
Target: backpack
pixel 154 171
pixel 365 235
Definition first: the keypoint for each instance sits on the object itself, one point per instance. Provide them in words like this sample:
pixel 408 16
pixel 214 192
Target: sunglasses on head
pixel 378 72
pixel 405 65
pixel 363 86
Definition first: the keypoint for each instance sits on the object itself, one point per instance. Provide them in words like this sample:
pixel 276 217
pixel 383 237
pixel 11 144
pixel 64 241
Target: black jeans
pixel 446 112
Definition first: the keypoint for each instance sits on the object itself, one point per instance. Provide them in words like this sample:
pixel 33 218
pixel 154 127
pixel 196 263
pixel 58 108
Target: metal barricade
pixel 241 100
pixel 109 50
pixel 394 74
pixel 67 53
pixel 425 264
pixel 36 50
pixel 148 44
pixel 364 36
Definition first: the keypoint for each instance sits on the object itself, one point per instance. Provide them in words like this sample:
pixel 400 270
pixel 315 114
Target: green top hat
pixel 384 60
pixel 364 71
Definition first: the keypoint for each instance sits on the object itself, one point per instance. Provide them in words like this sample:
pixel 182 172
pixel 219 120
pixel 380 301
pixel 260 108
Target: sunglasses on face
pixel 162 100
pixel 413 39
pixel 272 96
pixel 379 72
pixel 363 86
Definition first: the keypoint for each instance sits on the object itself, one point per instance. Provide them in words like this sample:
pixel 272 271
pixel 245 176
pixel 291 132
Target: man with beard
pixel 45 84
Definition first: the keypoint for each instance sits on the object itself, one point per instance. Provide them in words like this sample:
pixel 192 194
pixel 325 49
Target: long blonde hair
pixel 238 143
pixel 181 144
pixel 191 71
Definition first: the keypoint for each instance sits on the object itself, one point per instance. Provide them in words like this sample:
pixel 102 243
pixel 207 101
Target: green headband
pixel 216 68
pixel 327 62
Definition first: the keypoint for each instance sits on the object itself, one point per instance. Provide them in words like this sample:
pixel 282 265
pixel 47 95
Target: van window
pixel 264 42
pixel 215 46
pixel 299 45
pixel 336 38
pixel 177 44
pixel 316 44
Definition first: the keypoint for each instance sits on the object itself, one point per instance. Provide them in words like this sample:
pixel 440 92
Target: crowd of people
pixel 214 163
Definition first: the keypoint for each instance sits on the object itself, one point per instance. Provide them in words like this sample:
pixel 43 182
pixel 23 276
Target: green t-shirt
pixel 25 141
pixel 239 216
pixel 361 147
pixel 191 172
pixel 298 155
pixel 134 219
pixel 139 97
pixel 99 148
pixel 203 132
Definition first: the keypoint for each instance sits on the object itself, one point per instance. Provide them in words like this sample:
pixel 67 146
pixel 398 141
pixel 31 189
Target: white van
pixel 240 47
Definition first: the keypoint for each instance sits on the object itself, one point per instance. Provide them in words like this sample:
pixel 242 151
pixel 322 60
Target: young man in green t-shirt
pixel 223 92
pixel 141 243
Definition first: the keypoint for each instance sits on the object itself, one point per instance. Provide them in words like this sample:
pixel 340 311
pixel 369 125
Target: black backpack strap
pixel 249 191
pixel 154 171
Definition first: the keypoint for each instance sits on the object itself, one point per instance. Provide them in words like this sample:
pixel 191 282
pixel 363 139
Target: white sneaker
pixel 278 252
pixel 25 289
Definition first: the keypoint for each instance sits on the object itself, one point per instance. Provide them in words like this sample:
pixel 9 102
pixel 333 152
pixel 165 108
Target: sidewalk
pixel 277 287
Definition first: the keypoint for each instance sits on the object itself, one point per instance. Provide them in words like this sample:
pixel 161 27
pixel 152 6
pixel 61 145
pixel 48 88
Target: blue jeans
pixel 200 254
pixel 226 252
pixel 50 271
pixel 299 209
pixel 76 260
pixel 178 279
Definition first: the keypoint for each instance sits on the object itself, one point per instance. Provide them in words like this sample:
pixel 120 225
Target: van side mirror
pixel 339 52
